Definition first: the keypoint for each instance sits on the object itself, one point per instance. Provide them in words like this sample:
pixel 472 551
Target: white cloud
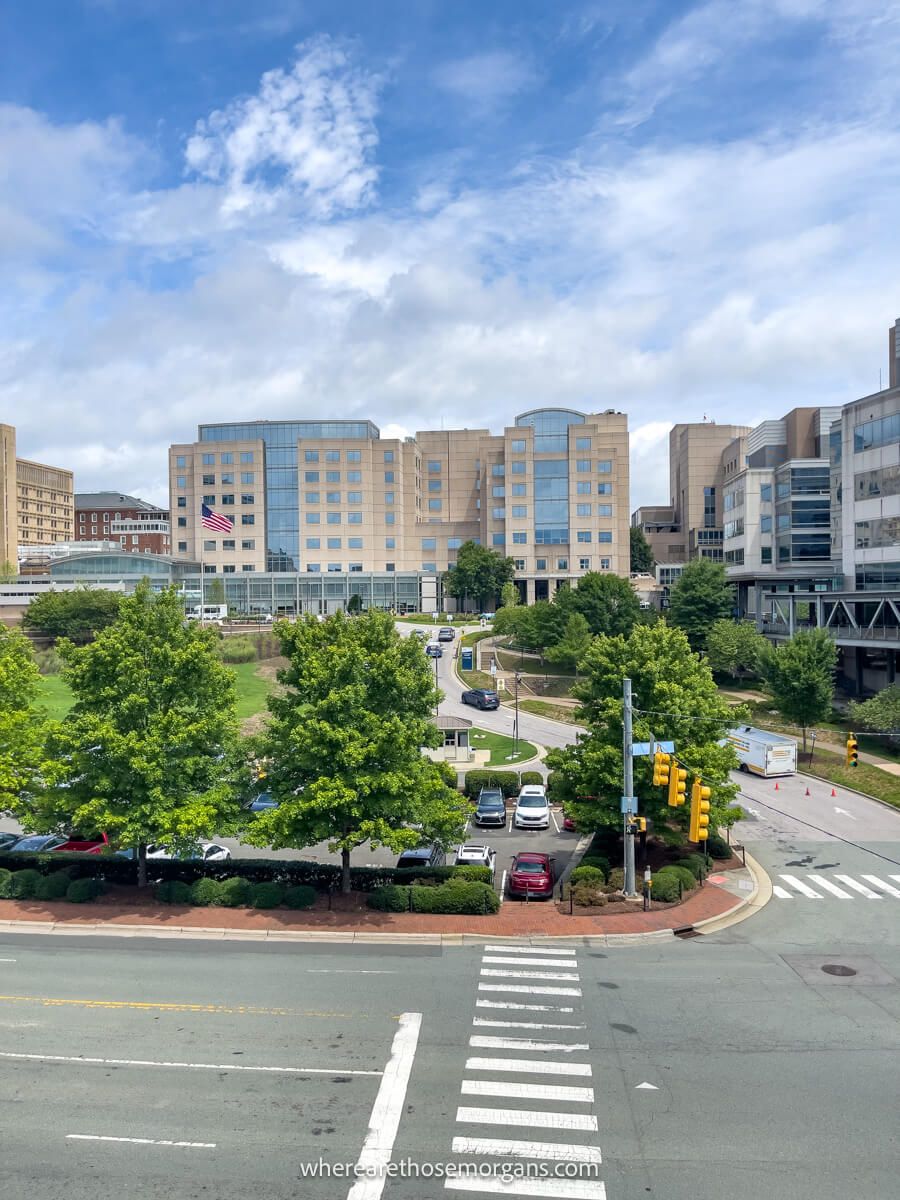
pixel 308 134
pixel 487 79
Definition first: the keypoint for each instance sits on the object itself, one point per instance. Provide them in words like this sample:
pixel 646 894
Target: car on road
pixel 531 874
pixel 532 808
pixel 477 856
pixel 446 634
pixel 37 842
pixel 422 856
pixel 490 808
pixel 202 852
pixel 264 802
pixel 434 650
pixel 481 698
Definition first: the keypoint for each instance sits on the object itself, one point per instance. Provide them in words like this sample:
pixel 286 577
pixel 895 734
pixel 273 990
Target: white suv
pixel 532 808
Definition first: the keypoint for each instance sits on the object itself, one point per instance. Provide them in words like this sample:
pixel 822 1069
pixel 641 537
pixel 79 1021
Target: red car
pixel 94 845
pixel 531 874
pixel 568 823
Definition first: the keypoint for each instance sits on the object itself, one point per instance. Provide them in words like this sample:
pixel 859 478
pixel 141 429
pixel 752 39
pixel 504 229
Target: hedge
pixel 53 887
pixel 205 891
pixel 598 861
pixel 527 777
pixel 5 877
pixel 587 893
pixel 173 891
pixel 665 887
pixel 587 874
pixel 507 781
pixel 462 896
pixel 717 846
pixel 81 890
pixel 688 882
pixel 695 863
pixel 300 896
pixel 24 884
pixel 266 895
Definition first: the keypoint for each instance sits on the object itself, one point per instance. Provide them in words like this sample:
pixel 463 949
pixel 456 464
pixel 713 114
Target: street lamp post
pixel 517 677
pixel 437 702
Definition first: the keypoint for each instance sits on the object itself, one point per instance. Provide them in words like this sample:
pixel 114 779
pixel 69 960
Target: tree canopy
pixel 77 615
pixel 880 713
pixel 675 698
pixel 641 554
pixel 478 576
pixel 572 646
pixel 151 740
pixel 735 648
pixel 345 742
pixel 800 676
pixel 24 766
pixel 607 602
pixel 701 597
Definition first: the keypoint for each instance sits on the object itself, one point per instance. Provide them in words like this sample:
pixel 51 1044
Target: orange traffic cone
pixel 776 785
pixel 833 792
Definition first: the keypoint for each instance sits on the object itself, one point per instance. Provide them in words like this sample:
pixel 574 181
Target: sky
pixel 425 212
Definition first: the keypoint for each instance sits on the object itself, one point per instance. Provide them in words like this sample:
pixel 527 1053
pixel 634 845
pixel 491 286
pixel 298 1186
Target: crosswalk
pixel 815 886
pixel 529 1077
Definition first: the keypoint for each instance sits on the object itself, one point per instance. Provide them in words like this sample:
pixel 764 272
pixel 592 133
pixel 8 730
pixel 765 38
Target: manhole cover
pixel 837 969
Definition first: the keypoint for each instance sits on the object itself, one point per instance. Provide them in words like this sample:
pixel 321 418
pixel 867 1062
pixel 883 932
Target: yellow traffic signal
pixel 852 750
pixel 661 767
pixel 699 812
pixel 677 786
pixel 638 824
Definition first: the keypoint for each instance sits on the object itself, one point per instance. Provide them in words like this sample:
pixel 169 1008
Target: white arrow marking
pixel 754 812
pixel 647 1087
pixel 844 813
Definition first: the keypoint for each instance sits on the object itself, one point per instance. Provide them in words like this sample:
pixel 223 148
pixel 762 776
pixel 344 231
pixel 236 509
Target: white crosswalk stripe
pixel 528 1066
pixel 486 1042
pixel 532 991
pixel 803 888
pixel 556 1189
pixel 500 960
pixel 524 1116
pixel 514 1004
pixel 512 1090
pixel 841 887
pixel 561 976
pixel 830 887
pixel 782 893
pixel 559 1151
pixel 885 887
pixel 567 951
pixel 858 887
pixel 521 1024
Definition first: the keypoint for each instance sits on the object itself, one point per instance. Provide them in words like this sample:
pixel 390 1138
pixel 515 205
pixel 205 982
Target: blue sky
pixel 431 211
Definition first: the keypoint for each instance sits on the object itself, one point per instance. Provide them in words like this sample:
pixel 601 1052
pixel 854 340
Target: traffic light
pixel 699 812
pixel 852 750
pixel 677 786
pixel 638 825
pixel 661 767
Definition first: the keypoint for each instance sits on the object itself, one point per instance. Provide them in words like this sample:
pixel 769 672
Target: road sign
pixel 629 804
pixel 642 749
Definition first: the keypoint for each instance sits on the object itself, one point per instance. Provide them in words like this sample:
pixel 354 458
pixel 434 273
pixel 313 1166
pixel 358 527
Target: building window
pixel 520 539
pixel 227 459
pixel 333 518
pixel 180 481
pixel 520 510
pixel 228 543
pixel 604 466
pixel 248 477
pixel 314 568
pixel 582 443
pixel 434 506
pixel 228 498
pixel 389 477
pixel 390 543
pixel 311 477
pixel 389 566
pixel 540 564
pixel 354 456
pixel 498 470
pixel 228 569
pixel 430 566
pixel 388 456
pixel 313 519
pixel 246 456
pixel 518 467
pixel 604 536
pixel 765 525
pixel 248 543
pixel 604 489
pixel 248 567
pixel 311 456
pixel 498 491
pixel 209 498
pixel 584 564
pixel 454 543
pixel 334 568
pixel 497 514
pixel 209 544
pixel 227 479
pixel 208 481
pixel 519 489
pixel 334 543
pixel 429 543
pixel 517 446
pixel 434 485
pixel 709 508
pixel 180 460
pixel 583 510
pixel 248 519
pixel 332 477
pixel 209 569
pixel 354 497
pixel 247 498
pixel 312 497
pixel 332 497
pixel 604 564
pixel 562 564
pixel 583 488
pixel 209 460
pixel 583 464
pixel 181 502
pixel 354 476
pixel 354 543
pixel 332 456
pixel 355 568
pixel 604 510
pixel 354 518
pixel 518 564
pixel 182 546
pixel 498 539
pixel 389 518
pixel 312 543
pixel 388 497
pixel 584 535
pixel 182 522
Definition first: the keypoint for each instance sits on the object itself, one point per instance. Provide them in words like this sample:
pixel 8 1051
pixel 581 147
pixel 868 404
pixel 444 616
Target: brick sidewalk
pixel 514 919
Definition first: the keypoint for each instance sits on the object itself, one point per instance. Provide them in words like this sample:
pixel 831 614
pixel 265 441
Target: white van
pixel 216 613
pixel 763 753
pixel 532 808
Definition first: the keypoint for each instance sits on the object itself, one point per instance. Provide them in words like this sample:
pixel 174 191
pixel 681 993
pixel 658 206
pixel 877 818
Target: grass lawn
pixel 478 679
pixel 55 696
pixel 556 712
pixel 501 748
pixel 864 778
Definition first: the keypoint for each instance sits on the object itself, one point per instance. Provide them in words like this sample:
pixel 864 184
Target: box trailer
pixel 763 753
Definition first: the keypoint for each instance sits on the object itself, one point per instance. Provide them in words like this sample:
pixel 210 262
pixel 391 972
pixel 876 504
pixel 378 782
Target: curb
pixel 853 791
pixel 745 908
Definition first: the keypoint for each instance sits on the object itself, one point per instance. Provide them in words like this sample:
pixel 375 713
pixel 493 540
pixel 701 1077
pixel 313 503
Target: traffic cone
pixel 807 791
pixel 833 792
pixel 776 785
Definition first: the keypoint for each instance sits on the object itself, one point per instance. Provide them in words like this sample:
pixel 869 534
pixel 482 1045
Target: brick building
pixel 138 526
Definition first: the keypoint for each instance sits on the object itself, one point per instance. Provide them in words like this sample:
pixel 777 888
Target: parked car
pixel 568 823
pixel 84 845
pixel 481 698
pixel 434 650
pixel 531 874
pixel 532 808
pixel 422 856
pixel 7 840
pixel 264 802
pixel 446 634
pixel 204 851
pixel 35 842
pixel 490 808
pixel 477 856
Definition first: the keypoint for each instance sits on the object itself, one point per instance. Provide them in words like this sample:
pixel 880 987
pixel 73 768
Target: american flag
pixel 210 519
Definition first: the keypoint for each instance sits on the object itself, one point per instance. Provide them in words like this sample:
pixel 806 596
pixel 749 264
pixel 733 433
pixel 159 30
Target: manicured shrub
pixel 24 884
pixel 688 882
pixel 598 861
pixel 173 891
pixel 389 899
pixel 267 895
pixel 205 891
pixel 425 882
pixel 507 781
pixel 473 874
pixel 717 846
pixel 5 878
pixel 460 897
pixel 299 896
pixel 665 888
pixel 240 649
pixel 616 878
pixel 587 894
pixel 526 777
pixel 53 887
pixel 591 875
pixel 80 891
pixel 235 892
pixel 695 863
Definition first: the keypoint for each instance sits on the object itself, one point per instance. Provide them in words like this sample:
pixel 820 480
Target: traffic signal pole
pixel 628 786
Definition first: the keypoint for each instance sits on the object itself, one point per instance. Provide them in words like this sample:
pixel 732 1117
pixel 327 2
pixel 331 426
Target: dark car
pixel 264 802
pixel 422 856
pixel 490 808
pixel 7 840
pixel 434 650
pixel 531 874
pixel 446 634
pixel 37 841
pixel 481 698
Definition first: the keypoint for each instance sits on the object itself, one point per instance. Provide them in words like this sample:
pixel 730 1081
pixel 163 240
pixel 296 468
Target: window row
pixel 226 458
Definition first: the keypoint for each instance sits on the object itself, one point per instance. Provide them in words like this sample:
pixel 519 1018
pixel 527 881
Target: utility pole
pixel 517 677
pixel 628 788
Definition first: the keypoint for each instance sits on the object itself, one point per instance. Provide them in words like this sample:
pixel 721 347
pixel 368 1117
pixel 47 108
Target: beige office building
pixel 37 502
pixel 334 497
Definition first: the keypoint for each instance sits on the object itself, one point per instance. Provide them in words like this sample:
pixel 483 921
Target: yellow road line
pixel 242 1009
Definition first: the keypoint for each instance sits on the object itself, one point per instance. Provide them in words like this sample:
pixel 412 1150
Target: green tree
pixel 478 576
pixel 214 591
pixel 881 713
pixel 77 615
pixel 542 626
pixel 509 595
pixel 345 742
pixel 24 766
pixel 607 602
pixel 571 648
pixel 9 571
pixel 735 648
pixel 152 737
pixel 641 554
pixel 674 698
pixel 800 676
pixel 701 597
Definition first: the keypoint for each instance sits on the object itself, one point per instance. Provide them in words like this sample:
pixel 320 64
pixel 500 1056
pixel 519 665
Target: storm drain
pixel 838 969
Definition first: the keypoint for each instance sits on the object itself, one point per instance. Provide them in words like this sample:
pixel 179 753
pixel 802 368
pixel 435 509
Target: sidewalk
pixel 514 920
